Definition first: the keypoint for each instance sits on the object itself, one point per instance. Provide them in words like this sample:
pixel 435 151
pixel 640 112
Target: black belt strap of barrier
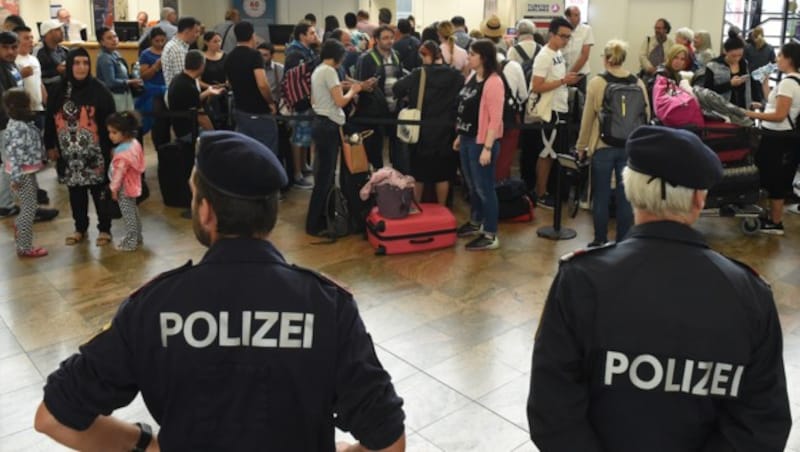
pixel 364 121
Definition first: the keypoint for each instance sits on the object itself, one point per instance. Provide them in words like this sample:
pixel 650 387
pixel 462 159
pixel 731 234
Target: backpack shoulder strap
pixel 789 116
pixel 521 52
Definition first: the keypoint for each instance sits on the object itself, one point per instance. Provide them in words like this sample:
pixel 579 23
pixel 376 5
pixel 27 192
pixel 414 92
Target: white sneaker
pixel 795 209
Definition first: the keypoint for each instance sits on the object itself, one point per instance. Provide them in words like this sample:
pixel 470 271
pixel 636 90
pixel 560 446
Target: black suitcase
pixel 175 162
pixel 514 203
pixel 740 185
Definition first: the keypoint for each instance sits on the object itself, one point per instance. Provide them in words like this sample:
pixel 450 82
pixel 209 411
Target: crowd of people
pixel 229 76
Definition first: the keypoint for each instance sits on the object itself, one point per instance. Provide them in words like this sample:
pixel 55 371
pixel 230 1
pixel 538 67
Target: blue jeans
pixel 259 128
pixel 480 179
pixel 604 162
pixel 326 136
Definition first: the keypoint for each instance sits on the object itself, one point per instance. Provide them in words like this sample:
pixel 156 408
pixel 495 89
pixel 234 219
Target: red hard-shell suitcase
pixel 432 228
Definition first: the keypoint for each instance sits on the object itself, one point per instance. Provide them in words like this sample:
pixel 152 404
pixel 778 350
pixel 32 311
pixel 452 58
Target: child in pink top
pixel 126 171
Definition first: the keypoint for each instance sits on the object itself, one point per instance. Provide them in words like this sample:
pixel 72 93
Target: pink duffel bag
pixel 675 107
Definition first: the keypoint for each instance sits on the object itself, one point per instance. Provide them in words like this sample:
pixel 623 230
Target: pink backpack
pixel 675 107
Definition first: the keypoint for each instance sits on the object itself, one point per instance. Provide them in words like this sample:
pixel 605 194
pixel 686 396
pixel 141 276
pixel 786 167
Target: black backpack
pixel 527 61
pixel 624 109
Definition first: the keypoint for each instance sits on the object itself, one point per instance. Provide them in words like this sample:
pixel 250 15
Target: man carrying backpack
pixel 383 64
pixel 298 53
pixel 616 104
pixel 526 49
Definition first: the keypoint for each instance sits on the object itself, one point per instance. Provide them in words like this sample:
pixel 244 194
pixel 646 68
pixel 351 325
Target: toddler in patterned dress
pixel 23 156
pixel 125 173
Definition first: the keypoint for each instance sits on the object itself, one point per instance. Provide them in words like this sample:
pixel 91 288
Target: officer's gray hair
pixel 644 193
pixel 685 33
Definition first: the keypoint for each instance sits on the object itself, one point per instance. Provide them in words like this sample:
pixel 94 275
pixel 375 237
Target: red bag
pixel 675 107
pixel 432 228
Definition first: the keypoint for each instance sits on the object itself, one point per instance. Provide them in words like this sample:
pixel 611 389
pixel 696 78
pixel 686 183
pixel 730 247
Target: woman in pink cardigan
pixel 479 124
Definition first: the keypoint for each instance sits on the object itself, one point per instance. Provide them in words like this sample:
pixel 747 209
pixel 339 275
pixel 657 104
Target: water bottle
pixel 136 71
pixel 763 72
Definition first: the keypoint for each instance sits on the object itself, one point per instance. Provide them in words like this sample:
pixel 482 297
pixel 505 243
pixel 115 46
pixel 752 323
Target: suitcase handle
pixel 421 241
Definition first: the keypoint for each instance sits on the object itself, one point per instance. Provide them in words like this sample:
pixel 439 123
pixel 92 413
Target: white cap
pixel 49 25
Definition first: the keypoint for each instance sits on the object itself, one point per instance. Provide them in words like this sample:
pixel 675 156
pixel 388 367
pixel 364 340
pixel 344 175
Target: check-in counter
pixel 130 51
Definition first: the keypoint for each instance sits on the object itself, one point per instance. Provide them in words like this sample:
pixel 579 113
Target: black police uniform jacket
pixel 658 344
pixel 241 352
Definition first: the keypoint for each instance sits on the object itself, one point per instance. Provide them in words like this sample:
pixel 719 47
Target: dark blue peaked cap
pixel 239 166
pixel 677 157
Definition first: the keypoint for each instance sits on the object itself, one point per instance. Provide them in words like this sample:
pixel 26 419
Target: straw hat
pixel 492 28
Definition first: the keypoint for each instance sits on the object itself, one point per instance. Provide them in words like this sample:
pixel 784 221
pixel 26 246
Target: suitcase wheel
pixel 750 226
pixel 380 250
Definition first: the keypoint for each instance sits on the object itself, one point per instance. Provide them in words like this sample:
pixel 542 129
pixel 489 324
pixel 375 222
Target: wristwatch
pixel 145 436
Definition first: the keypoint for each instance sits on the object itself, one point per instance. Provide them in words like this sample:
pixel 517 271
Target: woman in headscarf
pixel 432 158
pixel 77 139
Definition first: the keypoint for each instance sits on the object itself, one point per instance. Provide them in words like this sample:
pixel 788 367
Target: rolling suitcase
pixel 432 228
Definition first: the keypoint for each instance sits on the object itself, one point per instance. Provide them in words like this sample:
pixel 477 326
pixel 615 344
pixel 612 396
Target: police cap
pixel 675 156
pixel 239 166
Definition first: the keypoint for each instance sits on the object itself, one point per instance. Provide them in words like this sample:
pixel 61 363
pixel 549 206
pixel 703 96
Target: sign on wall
pixel 103 13
pixel 261 13
pixel 8 7
pixel 540 9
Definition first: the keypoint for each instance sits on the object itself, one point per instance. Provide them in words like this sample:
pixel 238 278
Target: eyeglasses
pixel 565 37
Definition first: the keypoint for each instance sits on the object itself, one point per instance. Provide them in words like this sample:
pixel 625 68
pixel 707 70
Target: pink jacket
pixel 127 167
pixel 490 114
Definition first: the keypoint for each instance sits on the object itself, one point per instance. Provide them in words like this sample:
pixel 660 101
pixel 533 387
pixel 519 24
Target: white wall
pixel 632 20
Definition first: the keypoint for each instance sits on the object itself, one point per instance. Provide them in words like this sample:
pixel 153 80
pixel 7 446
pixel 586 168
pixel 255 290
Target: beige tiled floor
pixel 455 329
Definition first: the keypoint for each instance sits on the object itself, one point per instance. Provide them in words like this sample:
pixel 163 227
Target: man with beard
pixel 240 352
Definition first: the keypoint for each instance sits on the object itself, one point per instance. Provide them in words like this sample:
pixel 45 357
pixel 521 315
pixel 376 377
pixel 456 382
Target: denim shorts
pixel 301 133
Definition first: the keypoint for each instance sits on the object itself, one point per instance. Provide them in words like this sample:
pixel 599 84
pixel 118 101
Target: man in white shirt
pixel 31 71
pixel 549 74
pixel 577 50
pixel 72 28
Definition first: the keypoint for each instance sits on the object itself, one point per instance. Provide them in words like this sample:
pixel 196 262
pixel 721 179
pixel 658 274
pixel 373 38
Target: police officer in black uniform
pixel 658 343
pixel 241 352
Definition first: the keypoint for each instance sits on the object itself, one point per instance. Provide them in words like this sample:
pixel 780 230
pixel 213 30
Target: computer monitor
pixel 127 31
pixel 280 34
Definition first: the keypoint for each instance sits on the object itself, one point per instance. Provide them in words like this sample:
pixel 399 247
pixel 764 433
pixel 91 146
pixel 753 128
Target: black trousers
pixel 79 203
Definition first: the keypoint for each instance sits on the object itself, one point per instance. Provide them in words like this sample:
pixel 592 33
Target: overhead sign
pixel 540 9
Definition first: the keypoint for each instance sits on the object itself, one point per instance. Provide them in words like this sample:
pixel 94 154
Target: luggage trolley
pixel 737 194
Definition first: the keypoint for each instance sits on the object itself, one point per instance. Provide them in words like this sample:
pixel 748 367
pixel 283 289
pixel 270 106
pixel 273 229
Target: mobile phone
pixel 511 31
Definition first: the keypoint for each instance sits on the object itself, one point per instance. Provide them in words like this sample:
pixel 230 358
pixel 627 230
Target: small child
pixel 125 174
pixel 24 153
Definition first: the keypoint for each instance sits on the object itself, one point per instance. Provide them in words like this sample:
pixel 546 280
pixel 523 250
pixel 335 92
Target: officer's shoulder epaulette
pixel 163 276
pixel 585 252
pixel 322 277
pixel 749 269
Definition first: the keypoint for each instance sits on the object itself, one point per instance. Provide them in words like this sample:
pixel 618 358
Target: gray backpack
pixel 624 109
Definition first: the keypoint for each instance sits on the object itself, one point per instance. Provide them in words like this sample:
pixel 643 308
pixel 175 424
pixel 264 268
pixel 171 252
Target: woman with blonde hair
pixel 607 158
pixel 452 54
pixel 674 62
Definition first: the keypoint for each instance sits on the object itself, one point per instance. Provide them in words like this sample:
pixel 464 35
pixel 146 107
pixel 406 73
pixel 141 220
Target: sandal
pixel 75 238
pixel 33 252
pixel 103 239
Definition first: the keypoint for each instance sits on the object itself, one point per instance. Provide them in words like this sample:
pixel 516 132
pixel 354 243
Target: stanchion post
pixel 556 232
